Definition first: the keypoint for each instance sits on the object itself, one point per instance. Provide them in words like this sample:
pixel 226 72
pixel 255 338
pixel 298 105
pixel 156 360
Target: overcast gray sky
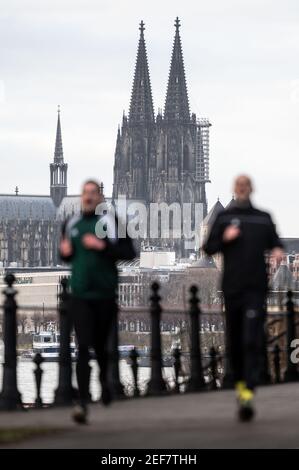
pixel 242 71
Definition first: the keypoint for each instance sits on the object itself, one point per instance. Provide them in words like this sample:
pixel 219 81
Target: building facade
pixel 30 224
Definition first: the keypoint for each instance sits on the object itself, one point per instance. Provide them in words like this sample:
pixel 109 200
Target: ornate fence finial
pixel 10 397
pixel 134 355
pixel 177 368
pixel 156 385
pixel 64 393
pixel 196 381
pixel 213 367
pixel 38 373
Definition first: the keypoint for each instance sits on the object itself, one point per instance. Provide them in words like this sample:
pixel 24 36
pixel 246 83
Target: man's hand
pixel 91 242
pixel 65 248
pixel 231 233
pixel 278 254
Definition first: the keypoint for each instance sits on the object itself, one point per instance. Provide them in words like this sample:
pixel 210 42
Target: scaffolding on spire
pixel 202 150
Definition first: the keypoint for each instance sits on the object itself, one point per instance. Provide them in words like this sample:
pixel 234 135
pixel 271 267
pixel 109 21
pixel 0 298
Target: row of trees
pixel 32 322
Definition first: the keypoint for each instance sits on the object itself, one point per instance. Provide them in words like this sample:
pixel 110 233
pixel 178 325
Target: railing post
pixel 291 373
pixel 213 366
pixel 10 397
pixel 196 381
pixel 228 378
pixel 156 385
pixel 276 363
pixel 64 393
pixel 89 370
pixel 134 365
pixel 265 376
pixel 113 378
pixel 38 373
pixel 177 368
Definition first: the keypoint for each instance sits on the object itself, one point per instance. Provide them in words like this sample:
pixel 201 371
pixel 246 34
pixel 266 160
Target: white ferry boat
pixel 47 343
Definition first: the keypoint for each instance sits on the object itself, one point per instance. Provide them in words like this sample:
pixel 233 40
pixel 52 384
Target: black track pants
pixel 245 316
pixel 93 320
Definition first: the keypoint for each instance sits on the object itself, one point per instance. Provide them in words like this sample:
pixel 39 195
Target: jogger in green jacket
pixel 93 283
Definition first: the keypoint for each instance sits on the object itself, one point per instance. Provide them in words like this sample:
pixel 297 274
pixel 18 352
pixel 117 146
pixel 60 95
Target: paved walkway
pixel 203 420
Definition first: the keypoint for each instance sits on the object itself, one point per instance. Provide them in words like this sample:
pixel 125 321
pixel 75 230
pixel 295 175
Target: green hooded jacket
pixel 94 273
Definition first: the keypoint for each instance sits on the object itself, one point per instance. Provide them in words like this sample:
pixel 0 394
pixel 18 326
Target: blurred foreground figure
pixel 93 283
pixel 243 234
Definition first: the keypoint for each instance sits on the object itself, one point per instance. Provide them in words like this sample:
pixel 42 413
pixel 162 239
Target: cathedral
pixel 161 158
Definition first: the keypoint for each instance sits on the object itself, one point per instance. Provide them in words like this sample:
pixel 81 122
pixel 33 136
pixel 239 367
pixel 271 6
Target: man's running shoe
pixel 239 387
pixel 79 414
pixel 246 410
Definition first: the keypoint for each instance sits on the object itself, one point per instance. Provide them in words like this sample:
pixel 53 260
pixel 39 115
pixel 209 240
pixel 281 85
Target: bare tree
pixel 22 322
pixel 37 320
pixel 50 318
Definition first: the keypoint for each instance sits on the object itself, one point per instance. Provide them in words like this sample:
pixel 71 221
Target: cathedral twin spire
pixel 162 157
pixel 141 106
pixel 177 104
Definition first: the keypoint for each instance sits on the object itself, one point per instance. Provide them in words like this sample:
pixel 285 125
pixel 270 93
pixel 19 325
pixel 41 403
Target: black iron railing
pixel 206 371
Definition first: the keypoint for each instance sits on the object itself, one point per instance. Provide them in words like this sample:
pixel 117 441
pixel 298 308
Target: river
pixel 26 379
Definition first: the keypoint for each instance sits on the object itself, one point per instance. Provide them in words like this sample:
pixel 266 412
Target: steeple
pixel 177 103
pixel 58 154
pixel 117 154
pixel 58 169
pixel 141 105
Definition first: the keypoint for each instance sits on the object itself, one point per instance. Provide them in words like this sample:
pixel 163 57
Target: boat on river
pixel 47 343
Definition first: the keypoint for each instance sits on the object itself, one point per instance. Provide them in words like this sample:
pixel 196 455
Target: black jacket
pixel 244 257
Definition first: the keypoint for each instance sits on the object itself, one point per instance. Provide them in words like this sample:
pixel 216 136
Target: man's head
pixel 91 196
pixel 243 188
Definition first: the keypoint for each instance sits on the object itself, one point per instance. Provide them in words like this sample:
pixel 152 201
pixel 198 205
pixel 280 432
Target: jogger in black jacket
pixel 243 234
